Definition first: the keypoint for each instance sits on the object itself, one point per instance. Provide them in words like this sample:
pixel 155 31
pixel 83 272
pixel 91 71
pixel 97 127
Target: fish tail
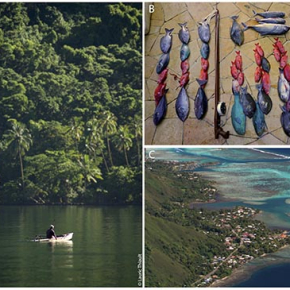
pixel 235 17
pixel 169 31
pixel 182 24
pixel 201 82
pixel 259 86
pixel 245 26
pixel 255 13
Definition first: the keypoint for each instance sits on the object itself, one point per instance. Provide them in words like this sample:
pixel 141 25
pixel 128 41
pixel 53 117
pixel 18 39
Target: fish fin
pixel 201 82
pixel 245 26
pixel 255 13
pixel 169 31
pixel 182 24
pixel 235 17
pixel 259 86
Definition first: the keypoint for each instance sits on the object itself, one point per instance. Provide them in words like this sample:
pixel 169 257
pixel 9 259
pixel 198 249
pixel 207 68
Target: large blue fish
pixel 183 33
pixel 265 102
pixel 285 120
pixel 238 116
pixel 270 14
pixel 259 121
pixel 268 28
pixel 184 52
pixel 204 50
pixel 160 110
pixel 237 33
pixel 162 63
pixel 182 105
pixel 204 31
pixel 283 87
pixel 247 102
pixel 200 102
pixel 166 41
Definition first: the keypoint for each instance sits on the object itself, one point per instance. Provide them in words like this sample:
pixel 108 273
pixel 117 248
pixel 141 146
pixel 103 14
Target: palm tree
pixel 95 140
pixel 136 128
pixel 123 141
pixel 108 122
pixel 19 139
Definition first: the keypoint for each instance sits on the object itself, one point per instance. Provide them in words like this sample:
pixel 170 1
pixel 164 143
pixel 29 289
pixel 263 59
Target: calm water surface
pixel 104 250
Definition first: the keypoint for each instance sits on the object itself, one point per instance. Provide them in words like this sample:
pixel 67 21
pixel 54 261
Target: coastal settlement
pixel 231 237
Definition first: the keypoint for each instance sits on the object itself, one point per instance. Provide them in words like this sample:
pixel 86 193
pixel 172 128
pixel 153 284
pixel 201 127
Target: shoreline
pixel 245 272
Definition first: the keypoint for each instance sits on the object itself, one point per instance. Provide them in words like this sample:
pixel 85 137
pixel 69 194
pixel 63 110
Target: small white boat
pixel 62 238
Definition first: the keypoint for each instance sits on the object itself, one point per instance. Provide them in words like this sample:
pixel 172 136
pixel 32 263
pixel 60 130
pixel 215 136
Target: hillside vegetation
pixel 70 103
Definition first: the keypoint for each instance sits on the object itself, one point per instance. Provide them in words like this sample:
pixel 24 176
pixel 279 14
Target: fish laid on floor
pixel 264 100
pixel 285 120
pixel 183 33
pixel 283 87
pixel 270 14
pixel 238 116
pixel 259 121
pixel 182 105
pixel 160 110
pixel 268 28
pixel 162 63
pixel 236 33
pixel 247 102
pixel 166 41
pixel 200 102
pixel 271 20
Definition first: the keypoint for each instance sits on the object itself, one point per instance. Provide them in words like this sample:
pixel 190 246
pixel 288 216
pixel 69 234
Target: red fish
pixel 266 84
pixel 238 60
pixel 234 71
pixel 203 76
pixel 162 76
pixel 159 92
pixel 287 72
pixel 259 49
pixel 184 65
pixel 258 58
pixel 240 78
pixel 258 74
pixel 279 45
pixel 277 53
pixel 184 79
pixel 204 64
pixel 283 60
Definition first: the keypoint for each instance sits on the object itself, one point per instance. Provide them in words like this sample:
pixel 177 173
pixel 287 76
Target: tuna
pixel 184 52
pixel 259 121
pixel 265 102
pixel 183 33
pixel 184 65
pixel 236 33
pixel 162 63
pixel 270 14
pixel 166 41
pixel 204 50
pixel 247 102
pixel 285 121
pixel 265 65
pixel 268 28
pixel 204 31
pixel 271 20
pixel 160 110
pixel 182 105
pixel 238 117
pixel 283 87
pixel 200 102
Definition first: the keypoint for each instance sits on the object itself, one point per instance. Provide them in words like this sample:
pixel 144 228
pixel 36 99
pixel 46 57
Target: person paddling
pixel 50 233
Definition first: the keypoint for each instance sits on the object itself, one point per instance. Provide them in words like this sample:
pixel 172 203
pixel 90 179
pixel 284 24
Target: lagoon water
pixel 103 253
pixel 248 177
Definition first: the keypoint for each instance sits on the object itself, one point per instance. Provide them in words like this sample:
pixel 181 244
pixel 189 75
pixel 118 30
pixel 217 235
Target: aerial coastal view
pixel 217 217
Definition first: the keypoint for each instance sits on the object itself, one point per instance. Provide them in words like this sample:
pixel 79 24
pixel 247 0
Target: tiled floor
pixel 172 131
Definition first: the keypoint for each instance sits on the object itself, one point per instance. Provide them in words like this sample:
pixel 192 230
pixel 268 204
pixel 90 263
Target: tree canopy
pixel 70 103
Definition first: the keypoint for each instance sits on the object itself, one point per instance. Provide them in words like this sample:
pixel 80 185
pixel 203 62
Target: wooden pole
pixel 217 129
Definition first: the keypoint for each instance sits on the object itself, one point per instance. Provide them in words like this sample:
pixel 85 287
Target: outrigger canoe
pixel 62 238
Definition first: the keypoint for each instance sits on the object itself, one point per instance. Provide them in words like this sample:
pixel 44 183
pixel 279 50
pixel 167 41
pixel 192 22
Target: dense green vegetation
pixel 70 103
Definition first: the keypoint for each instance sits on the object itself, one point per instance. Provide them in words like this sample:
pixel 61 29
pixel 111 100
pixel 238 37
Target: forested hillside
pixel 70 103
